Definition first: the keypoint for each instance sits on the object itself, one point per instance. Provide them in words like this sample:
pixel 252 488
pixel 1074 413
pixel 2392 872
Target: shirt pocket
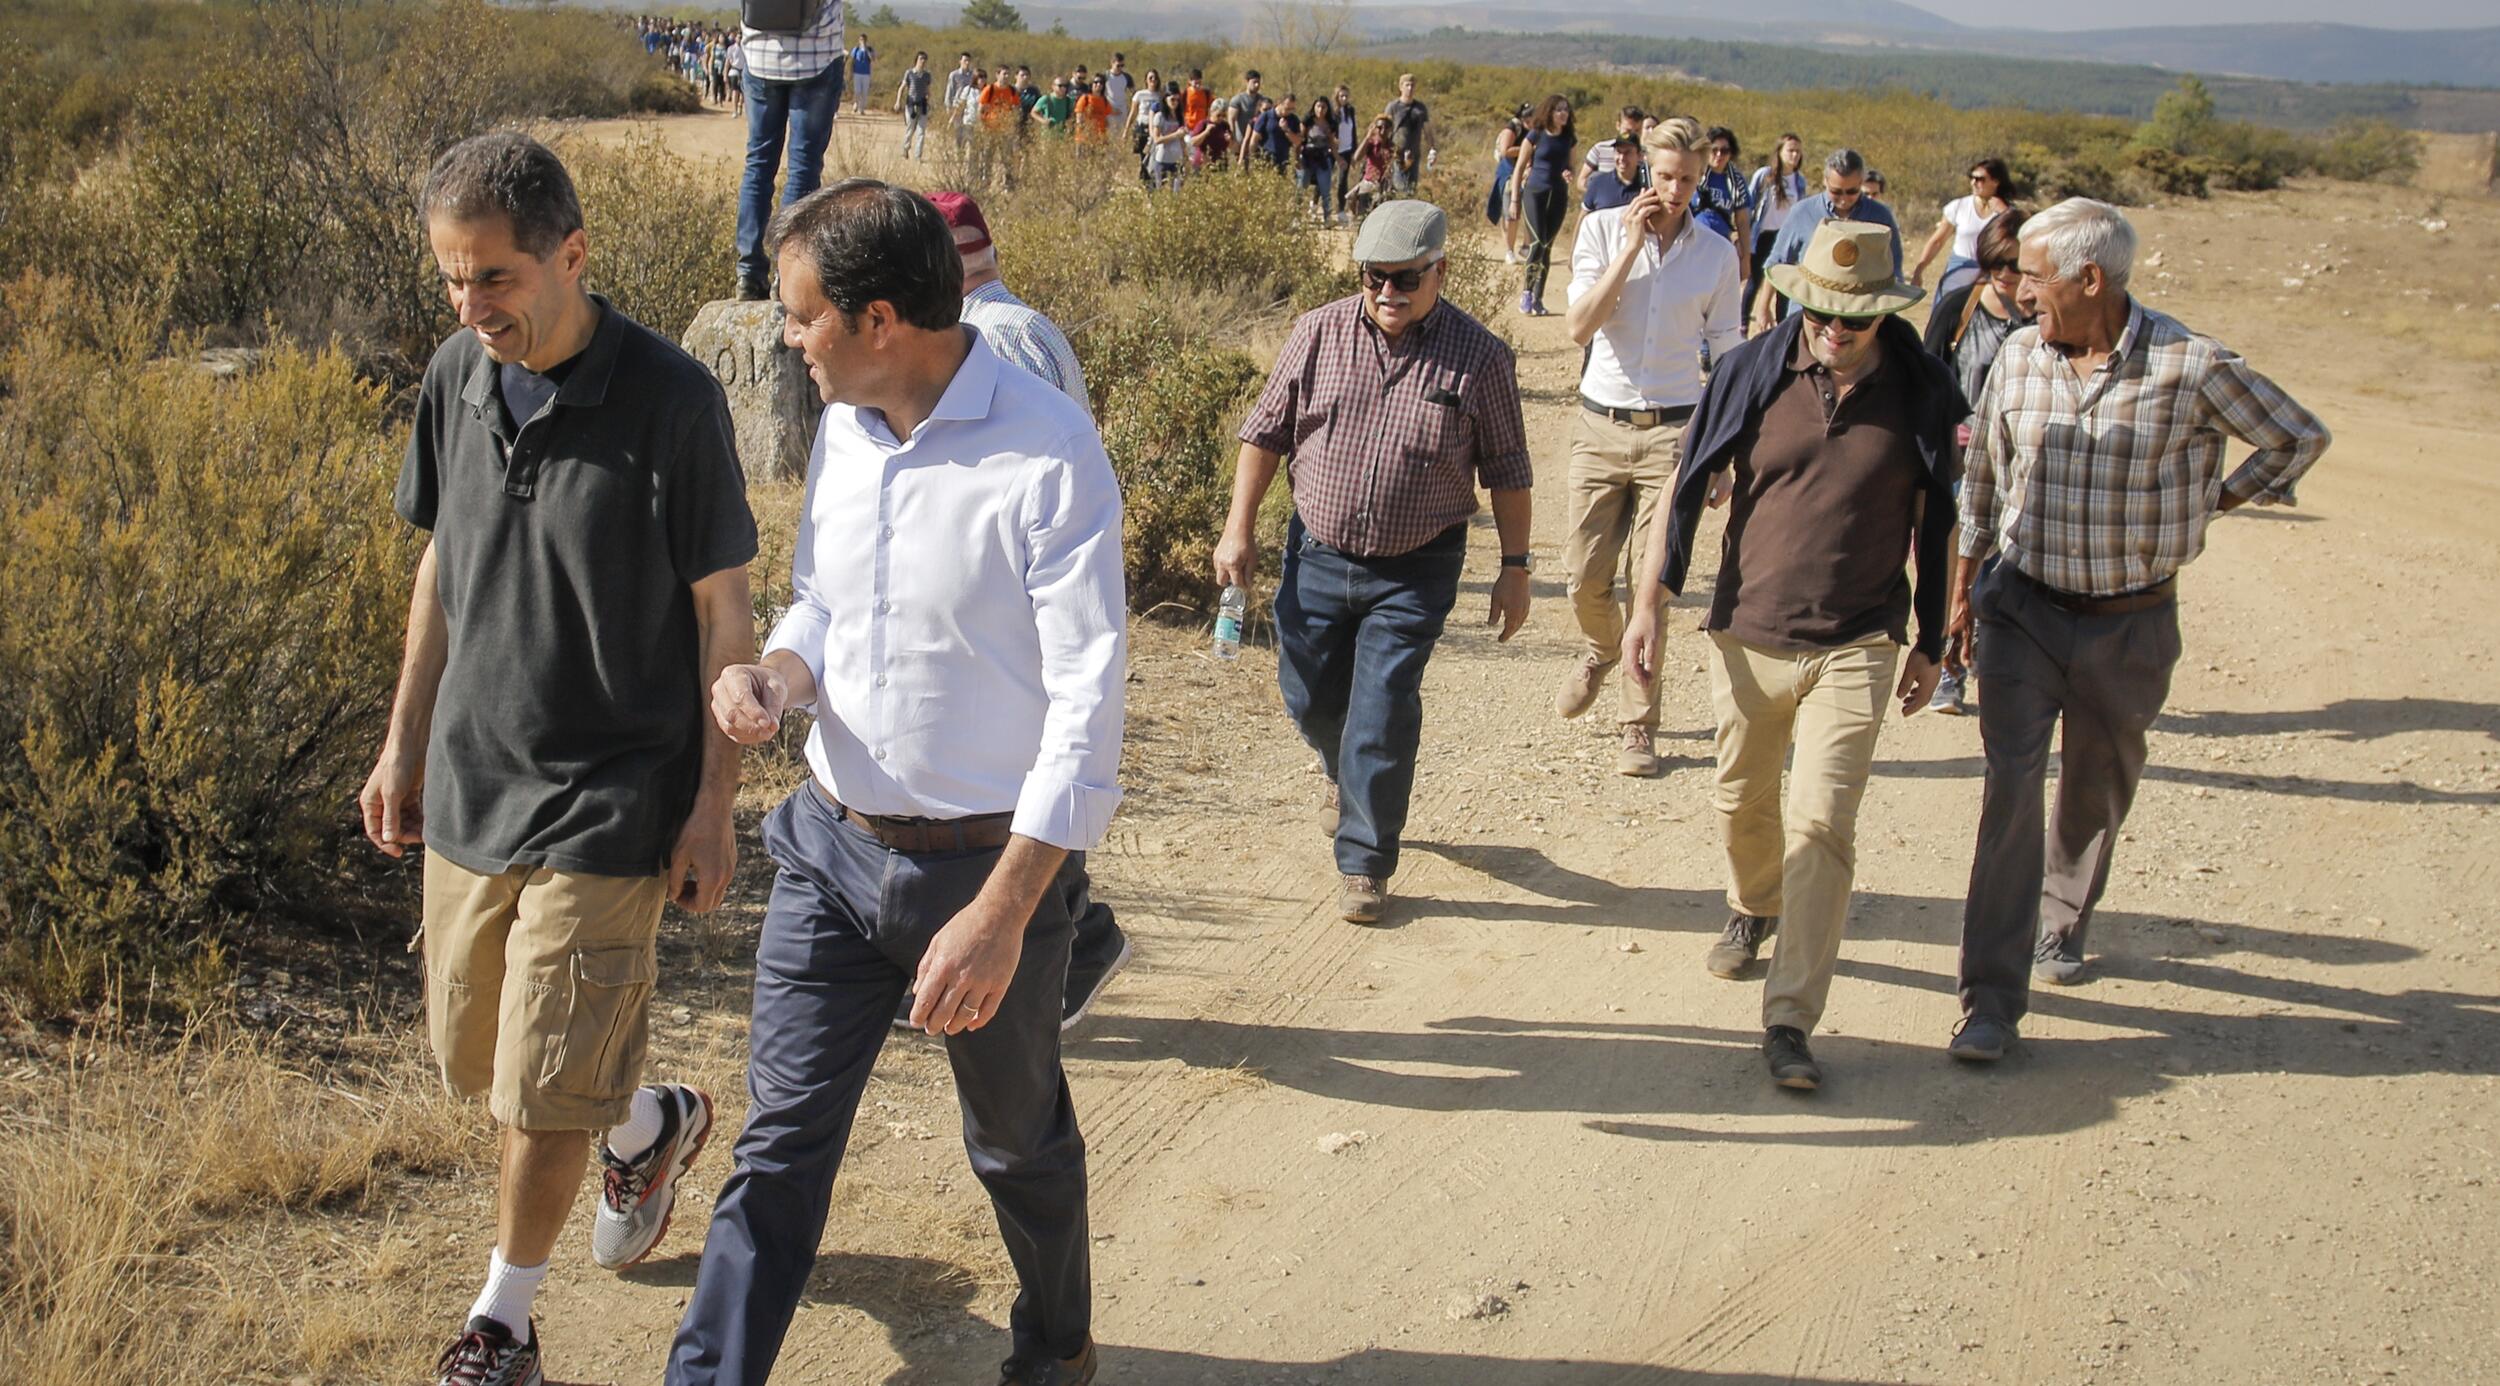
pixel 1445 432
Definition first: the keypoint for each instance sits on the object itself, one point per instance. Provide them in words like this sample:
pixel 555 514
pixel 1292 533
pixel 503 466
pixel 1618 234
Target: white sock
pixel 509 1292
pixel 641 1126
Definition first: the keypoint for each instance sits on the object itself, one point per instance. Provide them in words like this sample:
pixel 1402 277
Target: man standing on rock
pixel 1649 294
pixel 793 87
pixel 548 749
pixel 1838 427
pixel 958 624
pixel 2094 467
pixel 1393 405
pixel 1410 136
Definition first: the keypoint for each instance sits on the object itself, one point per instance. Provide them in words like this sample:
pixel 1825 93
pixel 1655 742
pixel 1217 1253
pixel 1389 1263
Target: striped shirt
pixel 2104 486
pixel 1018 332
pixel 1389 440
pixel 796 57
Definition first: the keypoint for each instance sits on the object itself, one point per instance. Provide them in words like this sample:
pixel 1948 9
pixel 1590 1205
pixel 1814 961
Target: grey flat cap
pixel 1406 228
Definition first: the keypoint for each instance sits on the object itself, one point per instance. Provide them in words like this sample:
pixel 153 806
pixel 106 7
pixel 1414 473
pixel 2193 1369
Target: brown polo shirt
pixel 1826 502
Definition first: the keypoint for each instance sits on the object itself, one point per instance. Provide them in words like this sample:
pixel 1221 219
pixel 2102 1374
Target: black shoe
pixel 485 1355
pixel 1981 1039
pixel 1792 1064
pixel 752 289
pixel 1021 1370
pixel 1738 942
pixel 1088 975
pixel 2058 961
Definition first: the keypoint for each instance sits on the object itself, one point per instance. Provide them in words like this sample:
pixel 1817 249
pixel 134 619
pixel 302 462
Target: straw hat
pixel 1847 272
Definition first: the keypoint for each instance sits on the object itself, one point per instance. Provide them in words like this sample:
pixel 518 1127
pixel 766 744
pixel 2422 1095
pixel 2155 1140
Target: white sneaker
pixel 636 1196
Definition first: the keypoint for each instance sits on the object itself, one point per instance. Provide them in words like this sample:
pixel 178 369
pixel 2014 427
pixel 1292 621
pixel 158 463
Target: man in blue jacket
pixel 1844 198
pixel 1838 429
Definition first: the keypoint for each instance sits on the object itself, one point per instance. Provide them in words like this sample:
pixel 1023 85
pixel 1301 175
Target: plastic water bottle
pixel 1228 614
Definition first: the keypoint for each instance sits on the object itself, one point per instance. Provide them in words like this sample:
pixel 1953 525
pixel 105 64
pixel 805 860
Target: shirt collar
pixel 586 386
pixel 2133 336
pixel 991 291
pixel 968 396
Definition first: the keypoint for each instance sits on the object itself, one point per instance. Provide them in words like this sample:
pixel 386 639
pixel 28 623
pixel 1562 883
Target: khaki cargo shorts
pixel 538 989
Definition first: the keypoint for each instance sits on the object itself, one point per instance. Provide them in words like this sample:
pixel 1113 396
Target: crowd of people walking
pixel 2002 504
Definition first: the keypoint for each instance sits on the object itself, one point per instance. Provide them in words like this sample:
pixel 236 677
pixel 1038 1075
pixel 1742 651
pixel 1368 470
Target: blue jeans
pixel 1352 638
pixel 1315 178
pixel 843 934
pixel 803 112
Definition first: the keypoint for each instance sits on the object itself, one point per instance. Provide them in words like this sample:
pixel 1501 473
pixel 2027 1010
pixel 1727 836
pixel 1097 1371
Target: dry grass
pixel 173 1213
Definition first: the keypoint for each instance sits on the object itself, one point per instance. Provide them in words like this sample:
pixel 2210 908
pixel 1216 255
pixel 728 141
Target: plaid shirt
pixel 1388 440
pixel 796 57
pixel 2104 486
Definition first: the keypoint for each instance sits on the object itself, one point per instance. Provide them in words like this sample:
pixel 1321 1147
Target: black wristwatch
pixel 1515 560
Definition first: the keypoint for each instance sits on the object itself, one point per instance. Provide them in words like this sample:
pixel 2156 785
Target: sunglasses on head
pixel 1405 281
pixel 1819 321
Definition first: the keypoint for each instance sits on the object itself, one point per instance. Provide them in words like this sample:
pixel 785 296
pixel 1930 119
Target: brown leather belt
pixel 1639 418
pixel 2142 599
pixel 976 834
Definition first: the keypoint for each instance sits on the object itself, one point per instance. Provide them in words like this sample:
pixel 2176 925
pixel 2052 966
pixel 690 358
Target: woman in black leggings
pixel 1544 192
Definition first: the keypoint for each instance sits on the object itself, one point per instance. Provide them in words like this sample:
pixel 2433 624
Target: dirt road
pixel 1518 1135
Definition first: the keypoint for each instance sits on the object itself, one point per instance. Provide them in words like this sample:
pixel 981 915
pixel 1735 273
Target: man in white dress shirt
pixel 957 626
pixel 1649 293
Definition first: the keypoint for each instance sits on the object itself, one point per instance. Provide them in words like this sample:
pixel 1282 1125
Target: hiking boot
pixel 1580 688
pixel 1948 698
pixel 751 288
pixel 637 1196
pixel 485 1355
pixel 1981 1039
pixel 1089 974
pixel 1328 813
pixel 1639 756
pixel 1738 942
pixel 1360 899
pixel 1792 1064
pixel 1023 1370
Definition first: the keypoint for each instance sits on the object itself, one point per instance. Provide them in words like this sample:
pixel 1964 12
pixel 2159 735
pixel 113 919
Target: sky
pixel 2124 14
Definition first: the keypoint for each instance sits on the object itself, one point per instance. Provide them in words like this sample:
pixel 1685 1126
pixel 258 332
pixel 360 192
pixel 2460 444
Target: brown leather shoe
pixel 1360 899
pixel 1639 756
pixel 1580 689
pixel 1049 1371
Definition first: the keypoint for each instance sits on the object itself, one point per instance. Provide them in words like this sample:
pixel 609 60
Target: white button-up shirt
pixel 1647 354
pixel 961 602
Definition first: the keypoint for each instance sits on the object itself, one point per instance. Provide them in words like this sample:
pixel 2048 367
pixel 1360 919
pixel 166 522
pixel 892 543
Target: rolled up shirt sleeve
pixel 1981 467
pixel 802 629
pixel 2248 406
pixel 1272 424
pixel 1079 590
pixel 1501 429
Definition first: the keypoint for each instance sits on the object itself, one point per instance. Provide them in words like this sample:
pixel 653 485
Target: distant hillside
pixel 2299 52
pixel 1966 80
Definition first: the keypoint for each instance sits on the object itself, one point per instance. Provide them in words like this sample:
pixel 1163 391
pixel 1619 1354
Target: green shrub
pixel 2370 151
pixel 659 230
pixel 2173 174
pixel 200 607
pixel 1169 430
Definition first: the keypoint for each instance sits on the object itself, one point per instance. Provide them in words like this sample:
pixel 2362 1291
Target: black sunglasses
pixel 1405 281
pixel 1822 320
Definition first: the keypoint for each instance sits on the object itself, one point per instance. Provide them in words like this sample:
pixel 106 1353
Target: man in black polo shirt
pixel 548 748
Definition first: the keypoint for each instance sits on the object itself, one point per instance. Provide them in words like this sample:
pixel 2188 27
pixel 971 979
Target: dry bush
pixel 200 607
pixel 659 228
pixel 152 1206
pixel 1169 430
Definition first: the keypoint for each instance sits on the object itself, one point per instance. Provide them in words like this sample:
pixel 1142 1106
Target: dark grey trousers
pixel 2096 681
pixel 842 936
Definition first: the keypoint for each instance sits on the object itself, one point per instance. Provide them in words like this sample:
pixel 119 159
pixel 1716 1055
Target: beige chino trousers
pixel 1619 479
pixel 1796 863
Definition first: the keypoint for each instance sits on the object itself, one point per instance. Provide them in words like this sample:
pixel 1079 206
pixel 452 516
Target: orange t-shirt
pixel 1000 106
pixel 1093 116
pixel 1196 102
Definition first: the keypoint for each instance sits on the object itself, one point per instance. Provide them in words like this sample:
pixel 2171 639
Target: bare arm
pixel 1237 553
pixel 392 800
pixel 1511 515
pixel 966 970
pixel 1937 240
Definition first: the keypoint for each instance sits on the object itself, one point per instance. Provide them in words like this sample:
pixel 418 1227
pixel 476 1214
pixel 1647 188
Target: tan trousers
pixel 1620 476
pixel 1797 864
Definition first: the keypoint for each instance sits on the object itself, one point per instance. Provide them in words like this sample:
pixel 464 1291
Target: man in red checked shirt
pixel 1392 406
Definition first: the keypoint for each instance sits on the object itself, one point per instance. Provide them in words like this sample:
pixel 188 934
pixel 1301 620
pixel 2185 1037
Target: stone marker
pixel 772 403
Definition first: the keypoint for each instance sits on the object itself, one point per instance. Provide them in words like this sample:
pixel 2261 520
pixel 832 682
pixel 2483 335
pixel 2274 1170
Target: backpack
pixel 781 16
